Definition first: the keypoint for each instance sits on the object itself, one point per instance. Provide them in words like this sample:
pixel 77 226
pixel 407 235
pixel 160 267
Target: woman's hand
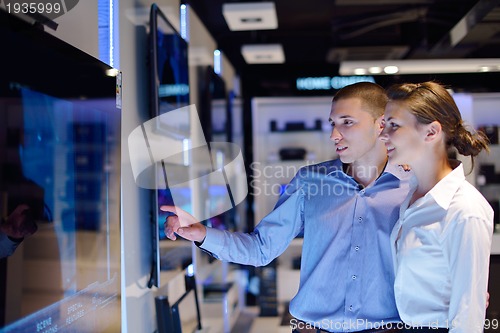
pixel 183 224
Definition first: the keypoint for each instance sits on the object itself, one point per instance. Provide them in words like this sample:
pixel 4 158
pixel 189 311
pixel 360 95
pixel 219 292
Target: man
pixel 346 207
pixel 13 229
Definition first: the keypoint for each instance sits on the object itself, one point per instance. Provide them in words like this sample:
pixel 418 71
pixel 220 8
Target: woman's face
pixel 403 136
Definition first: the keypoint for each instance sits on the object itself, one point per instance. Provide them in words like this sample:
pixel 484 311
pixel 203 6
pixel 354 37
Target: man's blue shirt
pixel 347 276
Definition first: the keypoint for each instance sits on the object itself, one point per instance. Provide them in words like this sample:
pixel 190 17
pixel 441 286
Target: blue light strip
pixel 107 12
pixel 184 22
pixel 217 62
pixel 111 16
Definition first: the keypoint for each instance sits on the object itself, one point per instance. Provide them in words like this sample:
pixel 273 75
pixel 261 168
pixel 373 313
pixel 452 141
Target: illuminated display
pixel 328 83
pixel 60 157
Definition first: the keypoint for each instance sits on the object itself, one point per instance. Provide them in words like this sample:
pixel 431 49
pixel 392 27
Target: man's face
pixel 354 130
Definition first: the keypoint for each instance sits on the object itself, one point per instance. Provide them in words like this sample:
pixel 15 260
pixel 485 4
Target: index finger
pixel 168 208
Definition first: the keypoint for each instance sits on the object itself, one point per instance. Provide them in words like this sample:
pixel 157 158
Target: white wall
pixel 138 310
pixel 79 27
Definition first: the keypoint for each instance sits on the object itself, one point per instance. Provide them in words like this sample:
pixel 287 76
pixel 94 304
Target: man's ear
pixel 433 131
pixel 380 121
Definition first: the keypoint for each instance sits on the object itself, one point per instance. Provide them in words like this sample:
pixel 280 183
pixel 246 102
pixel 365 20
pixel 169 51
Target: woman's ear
pixel 433 131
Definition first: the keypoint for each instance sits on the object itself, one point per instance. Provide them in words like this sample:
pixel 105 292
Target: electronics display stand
pixel 169 315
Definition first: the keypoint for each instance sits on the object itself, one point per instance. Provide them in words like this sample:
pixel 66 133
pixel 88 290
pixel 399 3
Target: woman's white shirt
pixel 441 251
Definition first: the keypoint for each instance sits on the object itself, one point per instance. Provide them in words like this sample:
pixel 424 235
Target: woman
pixel 441 243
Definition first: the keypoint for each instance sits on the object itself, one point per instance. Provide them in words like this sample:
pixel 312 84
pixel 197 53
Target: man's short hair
pixel 373 97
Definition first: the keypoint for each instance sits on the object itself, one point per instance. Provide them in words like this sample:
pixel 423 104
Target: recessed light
pixel 359 71
pixel 485 69
pixel 424 66
pixel 375 70
pixel 250 16
pixel 112 72
pixel 391 69
pixel 263 54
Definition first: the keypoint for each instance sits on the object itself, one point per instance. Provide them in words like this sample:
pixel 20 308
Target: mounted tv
pixel 215 109
pixel 169 70
pixel 213 105
pixel 169 91
pixel 60 157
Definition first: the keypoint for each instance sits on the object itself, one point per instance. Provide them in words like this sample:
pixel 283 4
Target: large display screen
pixel 169 65
pixel 60 158
pixel 169 91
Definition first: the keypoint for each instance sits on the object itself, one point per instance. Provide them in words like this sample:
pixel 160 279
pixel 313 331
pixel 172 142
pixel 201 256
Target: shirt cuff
pixel 15 240
pixel 213 242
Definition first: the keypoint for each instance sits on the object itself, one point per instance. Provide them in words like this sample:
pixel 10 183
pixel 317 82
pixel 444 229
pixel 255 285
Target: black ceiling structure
pixel 317 35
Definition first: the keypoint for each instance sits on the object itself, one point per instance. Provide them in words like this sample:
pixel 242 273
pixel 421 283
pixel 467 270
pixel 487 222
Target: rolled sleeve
pixel 7 246
pixel 213 242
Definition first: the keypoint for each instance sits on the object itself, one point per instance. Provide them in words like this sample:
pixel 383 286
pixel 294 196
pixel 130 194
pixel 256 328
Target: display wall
pixel 60 170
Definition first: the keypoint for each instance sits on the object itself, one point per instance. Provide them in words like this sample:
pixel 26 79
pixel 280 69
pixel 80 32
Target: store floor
pixel 249 321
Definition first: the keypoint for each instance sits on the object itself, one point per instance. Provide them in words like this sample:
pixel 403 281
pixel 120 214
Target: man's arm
pixel 14 228
pixel 7 245
pixel 269 239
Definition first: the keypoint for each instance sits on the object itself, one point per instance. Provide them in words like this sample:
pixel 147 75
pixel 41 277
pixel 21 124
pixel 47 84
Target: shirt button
pixel 356 248
pixel 350 307
pixel 360 219
pixel 354 277
pixel 362 192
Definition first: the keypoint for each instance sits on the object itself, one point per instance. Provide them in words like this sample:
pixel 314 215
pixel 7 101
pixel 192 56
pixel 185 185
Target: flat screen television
pixel 59 156
pixel 213 105
pixel 169 90
pixel 215 109
pixel 169 71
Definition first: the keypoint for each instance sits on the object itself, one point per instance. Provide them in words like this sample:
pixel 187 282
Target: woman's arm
pixel 469 246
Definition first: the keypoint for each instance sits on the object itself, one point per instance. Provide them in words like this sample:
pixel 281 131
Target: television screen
pixel 169 91
pixel 60 164
pixel 169 65
pixel 213 106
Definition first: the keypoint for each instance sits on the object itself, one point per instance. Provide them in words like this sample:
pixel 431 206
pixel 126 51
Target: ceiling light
pixel 112 72
pixel 375 70
pixel 391 69
pixel 379 2
pixel 263 54
pixel 359 71
pixel 250 16
pixel 424 66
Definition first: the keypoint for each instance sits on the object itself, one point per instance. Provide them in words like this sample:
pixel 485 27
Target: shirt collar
pixel 446 188
pixel 395 170
pixel 336 166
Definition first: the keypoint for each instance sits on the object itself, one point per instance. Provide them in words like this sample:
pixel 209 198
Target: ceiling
pixel 317 35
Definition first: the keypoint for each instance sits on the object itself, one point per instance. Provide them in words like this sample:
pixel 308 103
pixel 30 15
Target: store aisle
pixel 250 322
